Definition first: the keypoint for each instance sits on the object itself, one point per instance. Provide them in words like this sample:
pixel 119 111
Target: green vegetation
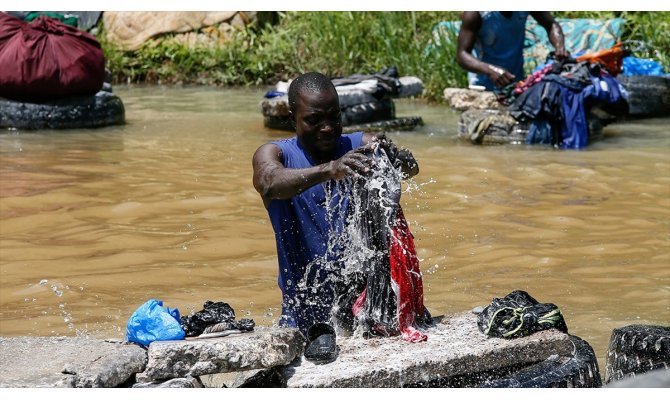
pixel 337 44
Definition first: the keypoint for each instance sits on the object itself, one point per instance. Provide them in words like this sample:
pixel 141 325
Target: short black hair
pixel 312 81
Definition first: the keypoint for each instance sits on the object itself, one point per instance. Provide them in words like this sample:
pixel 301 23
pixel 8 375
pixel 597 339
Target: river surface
pixel 96 222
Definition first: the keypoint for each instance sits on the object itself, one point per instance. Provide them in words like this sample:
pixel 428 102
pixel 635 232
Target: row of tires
pixel 636 353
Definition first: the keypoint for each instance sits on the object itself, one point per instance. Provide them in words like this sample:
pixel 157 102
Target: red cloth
pixel 406 274
pixel 406 277
pixel 47 59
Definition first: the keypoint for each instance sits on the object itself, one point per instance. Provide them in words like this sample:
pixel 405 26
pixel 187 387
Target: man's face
pixel 318 122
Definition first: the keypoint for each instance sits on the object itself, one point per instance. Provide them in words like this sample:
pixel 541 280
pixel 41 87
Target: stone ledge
pixel 260 349
pixel 455 347
pixel 61 361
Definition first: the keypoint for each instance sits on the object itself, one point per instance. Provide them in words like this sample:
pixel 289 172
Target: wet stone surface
pixel 67 362
pixel 261 349
pixel 455 347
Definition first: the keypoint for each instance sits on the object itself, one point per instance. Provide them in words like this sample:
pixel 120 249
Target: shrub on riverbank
pixel 335 43
pixel 338 44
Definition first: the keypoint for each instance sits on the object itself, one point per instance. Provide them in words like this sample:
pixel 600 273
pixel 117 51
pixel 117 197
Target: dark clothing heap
pixel 557 105
pixel 518 314
pixel 217 314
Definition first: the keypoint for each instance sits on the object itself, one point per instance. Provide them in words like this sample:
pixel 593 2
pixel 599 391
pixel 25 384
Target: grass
pixel 337 44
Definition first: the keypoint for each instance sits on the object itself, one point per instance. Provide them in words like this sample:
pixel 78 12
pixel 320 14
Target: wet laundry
pixel 214 317
pixel 560 101
pixel 383 295
pixel 519 314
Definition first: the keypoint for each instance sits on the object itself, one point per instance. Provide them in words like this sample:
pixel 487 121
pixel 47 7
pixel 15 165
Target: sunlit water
pixel 96 222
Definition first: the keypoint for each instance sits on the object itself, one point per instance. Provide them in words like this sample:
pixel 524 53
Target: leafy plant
pixel 339 44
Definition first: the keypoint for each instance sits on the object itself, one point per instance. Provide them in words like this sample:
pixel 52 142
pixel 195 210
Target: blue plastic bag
pixel 641 66
pixel 151 322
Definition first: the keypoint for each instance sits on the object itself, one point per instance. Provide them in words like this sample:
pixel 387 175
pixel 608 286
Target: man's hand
pixel 402 158
pixel 387 144
pixel 354 162
pixel 500 76
pixel 561 54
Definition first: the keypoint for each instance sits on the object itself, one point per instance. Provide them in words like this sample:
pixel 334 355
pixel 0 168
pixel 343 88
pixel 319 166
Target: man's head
pixel 315 109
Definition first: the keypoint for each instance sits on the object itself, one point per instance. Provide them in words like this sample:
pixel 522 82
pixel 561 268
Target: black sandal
pixel 321 346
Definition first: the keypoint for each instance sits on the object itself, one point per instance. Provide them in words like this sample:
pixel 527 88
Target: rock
pixel 466 99
pixel 182 383
pixel 130 29
pixel 455 348
pixel 67 362
pixel 256 378
pixel 222 380
pixel 275 107
pixel 260 349
pixel 490 126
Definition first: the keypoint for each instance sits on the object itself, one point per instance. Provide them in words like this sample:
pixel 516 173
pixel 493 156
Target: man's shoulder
pixel 292 141
pixel 354 138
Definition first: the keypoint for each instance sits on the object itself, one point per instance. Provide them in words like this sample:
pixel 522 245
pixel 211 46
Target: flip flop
pixel 321 347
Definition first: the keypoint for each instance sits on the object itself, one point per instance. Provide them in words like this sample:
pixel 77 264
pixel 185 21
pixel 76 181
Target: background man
pixel 497 37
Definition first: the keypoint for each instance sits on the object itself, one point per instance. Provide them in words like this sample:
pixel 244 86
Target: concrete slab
pixel 455 347
pixel 261 349
pixel 60 361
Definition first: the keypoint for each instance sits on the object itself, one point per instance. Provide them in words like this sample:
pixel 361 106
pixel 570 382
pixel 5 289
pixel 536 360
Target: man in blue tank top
pixel 490 45
pixel 295 178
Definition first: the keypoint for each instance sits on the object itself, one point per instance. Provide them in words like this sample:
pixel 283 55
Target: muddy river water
pixel 95 222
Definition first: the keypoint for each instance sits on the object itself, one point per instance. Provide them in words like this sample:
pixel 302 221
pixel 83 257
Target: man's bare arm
pixel 471 22
pixel 554 31
pixel 274 181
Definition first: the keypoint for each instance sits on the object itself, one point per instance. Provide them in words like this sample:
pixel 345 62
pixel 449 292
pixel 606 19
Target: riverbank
pixel 282 45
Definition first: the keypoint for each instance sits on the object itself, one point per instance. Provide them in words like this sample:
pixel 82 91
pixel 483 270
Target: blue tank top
pixel 302 225
pixel 500 42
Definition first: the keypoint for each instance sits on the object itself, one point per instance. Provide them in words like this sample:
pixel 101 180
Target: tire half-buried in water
pixel 101 109
pixel 648 96
pixel 636 349
pixel 579 371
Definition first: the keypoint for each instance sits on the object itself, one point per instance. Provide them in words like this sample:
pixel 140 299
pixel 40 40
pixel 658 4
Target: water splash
pixel 360 212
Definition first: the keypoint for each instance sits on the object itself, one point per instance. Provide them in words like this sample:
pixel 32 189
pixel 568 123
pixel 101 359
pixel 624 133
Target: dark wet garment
pixel 540 100
pixel 214 313
pixel 518 314
pixel 391 301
